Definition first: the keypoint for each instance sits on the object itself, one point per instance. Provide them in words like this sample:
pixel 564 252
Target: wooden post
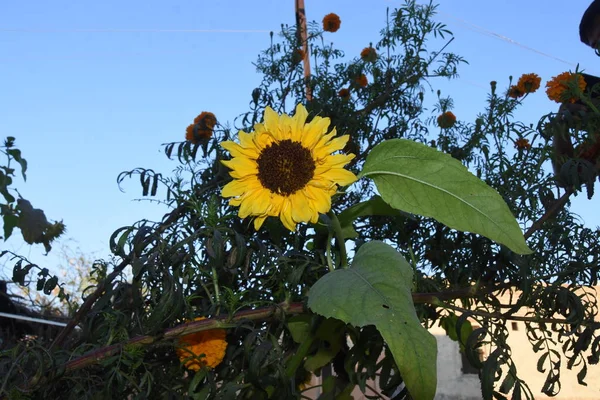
pixel 303 38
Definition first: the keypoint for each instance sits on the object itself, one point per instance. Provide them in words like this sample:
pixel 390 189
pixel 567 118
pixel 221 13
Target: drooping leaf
pixel 376 290
pixel 418 179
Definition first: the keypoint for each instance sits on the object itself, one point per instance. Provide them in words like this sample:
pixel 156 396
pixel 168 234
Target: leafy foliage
pixel 289 301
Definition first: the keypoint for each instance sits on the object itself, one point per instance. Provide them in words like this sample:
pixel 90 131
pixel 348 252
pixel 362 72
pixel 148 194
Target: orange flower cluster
pixel 344 94
pixel 559 87
pixel 202 349
pixel 446 120
pixel 202 128
pixel 368 54
pixel 522 144
pixel 331 22
pixel 362 80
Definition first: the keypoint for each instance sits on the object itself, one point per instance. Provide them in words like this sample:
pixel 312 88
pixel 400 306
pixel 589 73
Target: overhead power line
pixel 106 30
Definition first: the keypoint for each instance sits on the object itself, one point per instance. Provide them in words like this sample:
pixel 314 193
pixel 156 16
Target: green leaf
pixel 373 206
pixel 299 327
pixel 10 222
pixel 418 179
pixel 16 154
pixel 329 337
pixel 376 290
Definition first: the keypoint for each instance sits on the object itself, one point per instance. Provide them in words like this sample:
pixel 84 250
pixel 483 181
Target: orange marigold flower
pixel 529 83
pixel 202 128
pixel 558 88
pixel 344 94
pixel 331 22
pixel 446 120
pixel 368 54
pixel 362 80
pixel 202 349
pixel 207 119
pixel 522 144
pixel 515 92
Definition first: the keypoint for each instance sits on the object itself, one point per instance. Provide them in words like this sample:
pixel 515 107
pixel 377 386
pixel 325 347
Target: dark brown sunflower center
pixel 285 167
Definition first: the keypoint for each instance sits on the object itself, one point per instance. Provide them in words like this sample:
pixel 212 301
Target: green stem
pixel 328 252
pixel 216 285
pixel 339 237
pixel 297 358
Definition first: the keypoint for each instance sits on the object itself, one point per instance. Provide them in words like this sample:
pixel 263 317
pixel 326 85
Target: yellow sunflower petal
pixel 238 151
pixel 301 208
pixel 237 187
pixel 299 121
pixel 341 176
pixel 321 199
pixel 314 131
pixel 286 215
pixel 258 221
pixel 335 144
pixel 272 123
pixel 241 167
pixel 261 202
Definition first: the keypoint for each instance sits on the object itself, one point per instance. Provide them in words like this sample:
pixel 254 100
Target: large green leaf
pixel 376 290
pixel 416 178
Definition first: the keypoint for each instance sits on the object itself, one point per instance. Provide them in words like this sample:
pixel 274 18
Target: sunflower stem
pixel 216 285
pixel 328 252
pixel 339 237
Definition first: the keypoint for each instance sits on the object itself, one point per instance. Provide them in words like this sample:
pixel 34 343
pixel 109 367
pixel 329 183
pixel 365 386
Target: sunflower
pixel 285 168
pixel 202 128
pixel 368 54
pixel 205 348
pixel 362 80
pixel 529 83
pixel 560 90
pixel 331 22
pixel 446 120
pixel 522 144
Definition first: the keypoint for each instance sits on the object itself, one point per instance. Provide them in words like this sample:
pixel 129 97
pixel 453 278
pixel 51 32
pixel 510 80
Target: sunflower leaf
pixel 415 178
pixel 376 290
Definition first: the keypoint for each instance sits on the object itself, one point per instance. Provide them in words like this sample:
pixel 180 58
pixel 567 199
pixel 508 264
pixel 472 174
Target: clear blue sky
pixel 92 88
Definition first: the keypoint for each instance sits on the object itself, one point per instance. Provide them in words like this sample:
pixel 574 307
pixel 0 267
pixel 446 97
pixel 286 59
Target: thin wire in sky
pixel 105 30
pixel 488 32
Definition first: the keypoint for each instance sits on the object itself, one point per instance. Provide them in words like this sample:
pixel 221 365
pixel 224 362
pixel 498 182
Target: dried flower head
pixel 202 128
pixel 560 87
pixel 522 144
pixel 446 120
pixel 202 349
pixel 368 54
pixel 529 83
pixel 362 80
pixel 515 92
pixel 331 22
pixel 344 94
